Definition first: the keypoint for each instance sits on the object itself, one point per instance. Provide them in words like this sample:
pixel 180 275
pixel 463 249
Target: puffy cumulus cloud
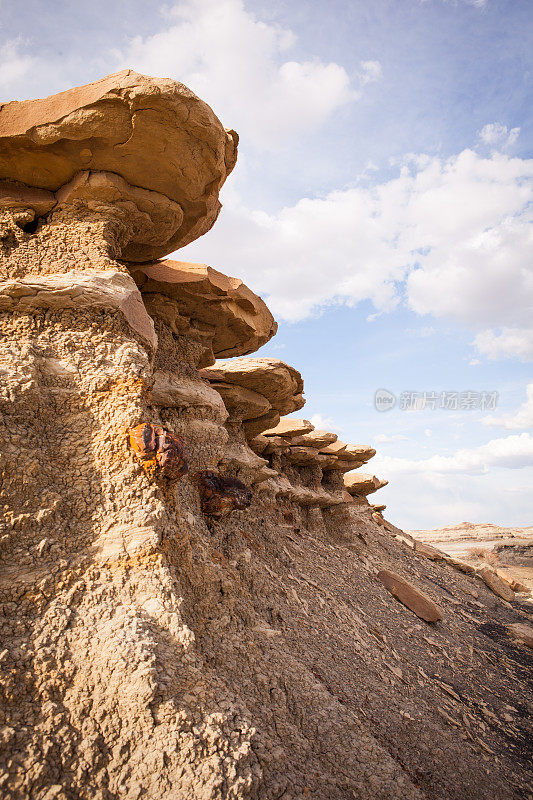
pixel 509 452
pixel 523 418
pixel 490 483
pixel 507 342
pixel 497 135
pixel 14 66
pixel 240 66
pixel 453 237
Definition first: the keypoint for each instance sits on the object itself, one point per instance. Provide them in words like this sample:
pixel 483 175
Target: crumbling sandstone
pixel 232 319
pixel 279 383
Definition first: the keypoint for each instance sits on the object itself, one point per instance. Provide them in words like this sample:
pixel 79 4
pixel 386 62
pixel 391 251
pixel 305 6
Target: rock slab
pixel 416 600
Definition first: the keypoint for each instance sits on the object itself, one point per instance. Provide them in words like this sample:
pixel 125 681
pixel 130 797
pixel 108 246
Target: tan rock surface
pixel 241 402
pixel 154 646
pixel 277 445
pixel 109 289
pixel 496 584
pixel 302 455
pixel 418 601
pixel 315 439
pixel 428 551
pixel 334 448
pixel 171 392
pixel 289 428
pixel 154 133
pixel 357 452
pixel 258 444
pixel 15 195
pixel 362 484
pixel 344 464
pixel 238 318
pixel 253 427
pixel 281 384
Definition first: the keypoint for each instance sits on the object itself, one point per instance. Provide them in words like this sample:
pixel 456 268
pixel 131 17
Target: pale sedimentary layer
pixel 109 289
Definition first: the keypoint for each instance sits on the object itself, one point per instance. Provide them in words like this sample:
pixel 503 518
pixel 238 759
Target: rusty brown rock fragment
pixel 220 496
pixel 418 601
pixel 160 451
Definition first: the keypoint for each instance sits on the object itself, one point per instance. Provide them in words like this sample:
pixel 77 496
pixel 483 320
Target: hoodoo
pixel 197 599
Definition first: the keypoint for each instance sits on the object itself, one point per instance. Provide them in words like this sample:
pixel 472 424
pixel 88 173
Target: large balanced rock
pixel 147 146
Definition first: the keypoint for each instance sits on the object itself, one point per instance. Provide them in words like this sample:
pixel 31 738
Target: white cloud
pixel 371 71
pixel 239 65
pixel 506 343
pixel 423 333
pixel 497 135
pixel 510 452
pixel 456 231
pixel 324 423
pixel 523 418
pixel 383 438
pixel 14 66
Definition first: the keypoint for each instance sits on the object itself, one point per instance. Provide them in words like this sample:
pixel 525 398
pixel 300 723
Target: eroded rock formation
pixel 221 632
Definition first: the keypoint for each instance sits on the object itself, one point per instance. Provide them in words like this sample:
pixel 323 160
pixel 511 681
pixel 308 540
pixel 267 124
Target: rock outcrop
pixel 145 150
pixel 193 605
pixel 360 484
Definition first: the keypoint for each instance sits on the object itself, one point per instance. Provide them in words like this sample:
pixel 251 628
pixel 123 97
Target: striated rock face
pixel 153 149
pixel 220 632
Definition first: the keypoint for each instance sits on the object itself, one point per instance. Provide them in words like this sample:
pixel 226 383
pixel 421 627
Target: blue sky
pixel 381 205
